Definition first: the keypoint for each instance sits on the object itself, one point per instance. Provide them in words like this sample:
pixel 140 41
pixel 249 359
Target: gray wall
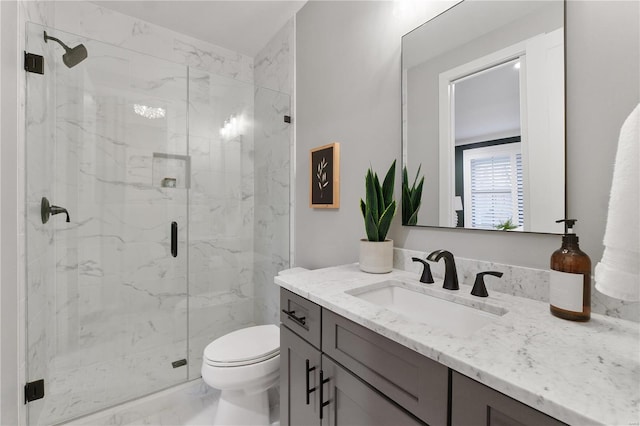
pixel 348 90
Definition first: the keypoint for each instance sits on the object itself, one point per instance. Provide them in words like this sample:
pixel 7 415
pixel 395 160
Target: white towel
pixel 618 273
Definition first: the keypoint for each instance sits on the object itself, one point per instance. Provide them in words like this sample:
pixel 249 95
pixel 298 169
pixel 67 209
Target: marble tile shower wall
pixel 271 225
pixel 221 211
pixel 273 144
pixel 517 281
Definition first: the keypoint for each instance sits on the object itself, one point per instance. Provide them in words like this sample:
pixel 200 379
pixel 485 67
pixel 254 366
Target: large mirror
pixel 483 117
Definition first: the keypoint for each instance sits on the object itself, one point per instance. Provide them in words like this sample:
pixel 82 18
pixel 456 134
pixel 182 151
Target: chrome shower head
pixel 72 56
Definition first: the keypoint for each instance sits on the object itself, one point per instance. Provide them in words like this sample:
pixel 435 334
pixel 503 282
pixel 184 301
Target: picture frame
pixel 324 177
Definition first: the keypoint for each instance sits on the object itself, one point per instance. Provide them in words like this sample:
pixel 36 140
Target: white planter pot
pixel 376 257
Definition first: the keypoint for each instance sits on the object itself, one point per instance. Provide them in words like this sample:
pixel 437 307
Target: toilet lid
pixel 244 346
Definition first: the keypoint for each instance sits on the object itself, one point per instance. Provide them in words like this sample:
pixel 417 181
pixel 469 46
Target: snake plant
pixel 379 208
pixel 411 197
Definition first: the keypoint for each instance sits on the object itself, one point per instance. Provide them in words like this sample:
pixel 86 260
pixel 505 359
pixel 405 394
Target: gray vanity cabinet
pixel 299 368
pixel 371 380
pixel 474 404
pixel 351 402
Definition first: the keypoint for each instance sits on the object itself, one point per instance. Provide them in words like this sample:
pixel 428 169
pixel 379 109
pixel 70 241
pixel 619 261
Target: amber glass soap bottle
pixel 570 280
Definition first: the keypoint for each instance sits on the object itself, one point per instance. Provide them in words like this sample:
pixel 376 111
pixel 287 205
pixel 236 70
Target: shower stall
pixel 170 177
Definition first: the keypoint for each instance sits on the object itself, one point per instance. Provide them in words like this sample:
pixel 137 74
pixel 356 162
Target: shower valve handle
pixel 47 210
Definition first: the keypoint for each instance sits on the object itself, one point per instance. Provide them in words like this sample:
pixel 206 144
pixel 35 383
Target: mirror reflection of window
pixel 493 187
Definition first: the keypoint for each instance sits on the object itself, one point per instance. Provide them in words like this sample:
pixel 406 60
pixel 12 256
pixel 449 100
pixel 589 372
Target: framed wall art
pixel 324 177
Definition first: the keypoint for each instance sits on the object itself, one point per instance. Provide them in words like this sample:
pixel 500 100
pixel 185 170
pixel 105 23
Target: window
pixel 493 186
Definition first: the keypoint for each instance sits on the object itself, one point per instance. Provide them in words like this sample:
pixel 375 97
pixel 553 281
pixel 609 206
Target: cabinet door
pixel 413 381
pixel 473 403
pixel 299 368
pixel 351 402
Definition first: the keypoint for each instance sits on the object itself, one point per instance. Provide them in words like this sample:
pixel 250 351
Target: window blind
pixel 496 190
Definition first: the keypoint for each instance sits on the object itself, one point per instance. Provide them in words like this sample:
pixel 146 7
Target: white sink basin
pixel 452 316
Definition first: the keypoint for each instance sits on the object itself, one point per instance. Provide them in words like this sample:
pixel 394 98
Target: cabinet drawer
pixel 413 381
pixel 473 403
pixel 303 317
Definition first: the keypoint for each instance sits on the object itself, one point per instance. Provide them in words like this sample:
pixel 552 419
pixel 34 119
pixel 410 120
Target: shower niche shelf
pixel 171 170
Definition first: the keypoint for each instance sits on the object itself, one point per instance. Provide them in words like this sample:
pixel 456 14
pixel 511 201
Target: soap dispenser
pixel 570 278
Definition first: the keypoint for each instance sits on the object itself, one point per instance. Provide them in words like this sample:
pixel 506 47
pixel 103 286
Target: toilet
pixel 243 364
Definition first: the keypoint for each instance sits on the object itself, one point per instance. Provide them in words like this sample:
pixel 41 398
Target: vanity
pixel 355 351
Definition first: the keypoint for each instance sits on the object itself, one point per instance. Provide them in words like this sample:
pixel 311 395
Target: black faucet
pixel 479 289
pixel 426 276
pixel 450 273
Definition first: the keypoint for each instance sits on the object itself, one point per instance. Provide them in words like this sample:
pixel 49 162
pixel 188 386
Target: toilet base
pixel 239 409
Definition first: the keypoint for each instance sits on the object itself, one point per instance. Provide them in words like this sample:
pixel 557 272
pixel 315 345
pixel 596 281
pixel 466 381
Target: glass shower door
pixel 106 292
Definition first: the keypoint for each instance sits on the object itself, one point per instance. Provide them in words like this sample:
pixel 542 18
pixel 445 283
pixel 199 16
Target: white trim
pixel 293 153
pixel 447 121
pixel 1 178
pixel 524 141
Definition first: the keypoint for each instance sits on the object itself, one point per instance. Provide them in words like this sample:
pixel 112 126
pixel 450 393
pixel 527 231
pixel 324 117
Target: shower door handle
pixel 174 239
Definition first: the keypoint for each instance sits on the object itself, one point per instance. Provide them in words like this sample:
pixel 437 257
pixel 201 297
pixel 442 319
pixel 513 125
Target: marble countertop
pixel 580 373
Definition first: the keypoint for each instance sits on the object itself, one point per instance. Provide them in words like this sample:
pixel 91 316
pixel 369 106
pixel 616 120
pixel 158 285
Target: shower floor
pixel 80 391
pixel 190 404
pixel 77 386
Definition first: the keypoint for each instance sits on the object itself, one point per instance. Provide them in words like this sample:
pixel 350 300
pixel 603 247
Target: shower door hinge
pixel 33 391
pixel 33 63
pixel 287 119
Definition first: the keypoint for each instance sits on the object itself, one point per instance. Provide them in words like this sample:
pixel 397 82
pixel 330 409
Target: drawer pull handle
pixel 323 403
pixel 292 315
pixel 309 391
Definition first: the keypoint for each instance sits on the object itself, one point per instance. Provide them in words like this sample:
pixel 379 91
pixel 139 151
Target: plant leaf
pixel 363 208
pixel 387 185
pixel 407 210
pixel 416 179
pixel 385 221
pixel 416 196
pixel 381 205
pixel 371 196
pixel 371 227
pixel 413 220
pixel 411 197
pixel 405 179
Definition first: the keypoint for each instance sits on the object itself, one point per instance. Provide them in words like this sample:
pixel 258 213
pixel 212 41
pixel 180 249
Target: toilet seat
pixel 244 347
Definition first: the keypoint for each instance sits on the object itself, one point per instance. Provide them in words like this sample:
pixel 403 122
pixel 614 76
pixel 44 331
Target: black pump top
pixel 569 236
